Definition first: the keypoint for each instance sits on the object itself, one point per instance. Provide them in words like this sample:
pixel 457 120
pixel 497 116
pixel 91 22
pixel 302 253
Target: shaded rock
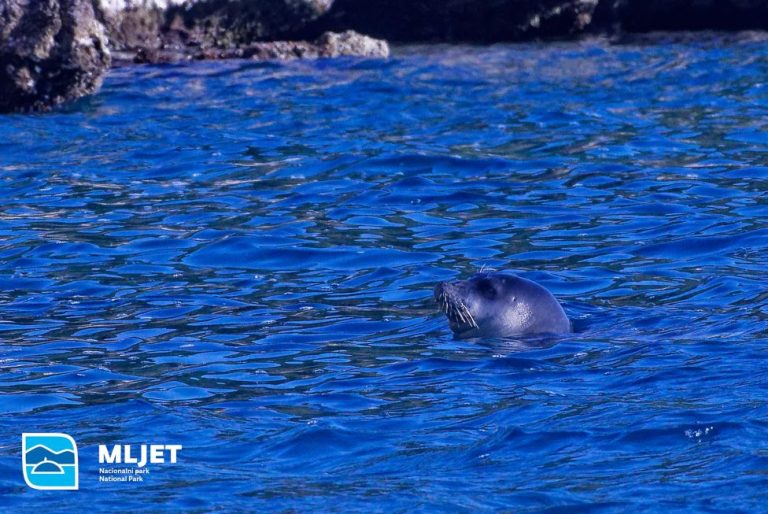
pixel 459 20
pixel 648 15
pixel 133 25
pixel 51 51
pixel 229 23
pixel 517 20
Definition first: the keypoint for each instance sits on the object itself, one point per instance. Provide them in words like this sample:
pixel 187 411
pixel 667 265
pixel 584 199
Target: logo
pixel 129 461
pixel 49 461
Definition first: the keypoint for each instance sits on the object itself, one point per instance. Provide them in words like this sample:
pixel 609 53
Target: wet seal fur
pixel 500 305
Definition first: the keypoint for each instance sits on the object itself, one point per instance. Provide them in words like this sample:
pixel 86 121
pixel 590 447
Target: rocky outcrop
pixel 230 23
pixel 133 24
pixel 460 20
pixel 207 24
pixel 350 43
pixel 152 31
pixel 169 29
pixel 518 20
pixel 330 44
pixel 51 51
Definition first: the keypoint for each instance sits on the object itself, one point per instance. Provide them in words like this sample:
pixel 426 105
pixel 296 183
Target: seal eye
pixel 486 289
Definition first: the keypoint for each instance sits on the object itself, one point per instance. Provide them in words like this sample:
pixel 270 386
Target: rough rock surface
pixel 349 42
pixel 133 25
pixel 223 24
pixel 228 23
pixel 330 44
pixel 51 51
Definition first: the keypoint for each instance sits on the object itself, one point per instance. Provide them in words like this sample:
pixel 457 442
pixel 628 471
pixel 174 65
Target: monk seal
pixel 500 305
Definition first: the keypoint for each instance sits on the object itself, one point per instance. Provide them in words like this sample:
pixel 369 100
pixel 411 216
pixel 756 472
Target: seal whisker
pixel 455 309
pixel 468 315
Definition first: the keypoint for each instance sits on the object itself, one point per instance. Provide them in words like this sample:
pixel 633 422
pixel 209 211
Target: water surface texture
pixel 238 257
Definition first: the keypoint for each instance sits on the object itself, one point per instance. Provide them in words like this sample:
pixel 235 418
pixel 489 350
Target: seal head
pixel 500 305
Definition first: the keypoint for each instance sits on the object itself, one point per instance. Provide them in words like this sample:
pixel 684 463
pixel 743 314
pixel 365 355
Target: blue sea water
pixel 239 258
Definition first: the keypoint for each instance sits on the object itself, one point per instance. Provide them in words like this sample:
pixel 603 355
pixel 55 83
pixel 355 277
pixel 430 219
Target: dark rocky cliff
pixel 52 51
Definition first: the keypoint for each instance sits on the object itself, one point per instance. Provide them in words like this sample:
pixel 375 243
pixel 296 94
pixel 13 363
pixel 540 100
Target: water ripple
pixel 239 258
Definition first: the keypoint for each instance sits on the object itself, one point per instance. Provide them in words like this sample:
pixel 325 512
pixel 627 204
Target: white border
pixel 24 437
